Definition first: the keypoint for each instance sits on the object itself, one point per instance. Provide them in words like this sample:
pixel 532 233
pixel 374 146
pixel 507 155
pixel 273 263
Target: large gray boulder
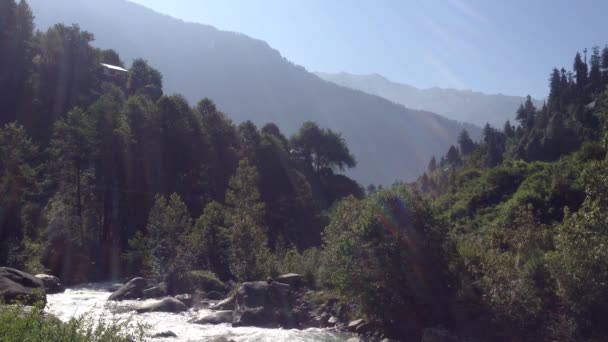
pixel 217 317
pixel 265 305
pixel 51 283
pixel 168 304
pixel 292 279
pixel 20 287
pixel 158 291
pixel 132 290
pixel 187 299
pixel 225 304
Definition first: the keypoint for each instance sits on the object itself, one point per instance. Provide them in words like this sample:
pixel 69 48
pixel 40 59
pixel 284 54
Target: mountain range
pixel 461 105
pixel 249 80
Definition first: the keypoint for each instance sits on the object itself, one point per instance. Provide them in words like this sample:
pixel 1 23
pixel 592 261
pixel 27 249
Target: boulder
pixel 333 320
pixel 217 317
pixel 438 335
pixel 354 325
pixel 134 289
pixel 292 279
pixel 264 305
pixel 214 295
pixel 168 304
pixel 165 334
pixel 157 291
pixel 226 304
pixel 51 283
pixel 187 299
pixel 115 287
pixel 20 287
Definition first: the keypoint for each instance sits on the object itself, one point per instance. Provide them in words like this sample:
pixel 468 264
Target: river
pixel 91 299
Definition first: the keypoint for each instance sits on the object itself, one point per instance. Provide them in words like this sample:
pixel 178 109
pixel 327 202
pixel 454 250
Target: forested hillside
pixel 103 176
pixel 99 167
pixel 527 211
pixel 249 80
pixel 461 105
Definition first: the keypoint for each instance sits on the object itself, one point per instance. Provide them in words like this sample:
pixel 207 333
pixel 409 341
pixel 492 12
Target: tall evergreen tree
pixel 250 256
pixel 581 74
pixel 595 73
pixel 432 165
pixel 466 143
pixel 604 64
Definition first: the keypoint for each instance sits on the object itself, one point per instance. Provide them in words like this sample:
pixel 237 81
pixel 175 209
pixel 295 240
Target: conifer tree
pixel 250 256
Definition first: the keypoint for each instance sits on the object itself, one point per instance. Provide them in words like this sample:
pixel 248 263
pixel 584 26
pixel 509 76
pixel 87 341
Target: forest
pixel 104 176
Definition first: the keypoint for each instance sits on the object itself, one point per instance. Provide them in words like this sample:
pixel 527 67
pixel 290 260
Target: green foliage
pixel 250 258
pixel 32 324
pixel 305 263
pixel 322 148
pixel 169 220
pixel 208 244
pixel 580 260
pixel 386 254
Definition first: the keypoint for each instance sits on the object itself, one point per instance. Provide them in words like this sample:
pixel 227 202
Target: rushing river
pixel 91 299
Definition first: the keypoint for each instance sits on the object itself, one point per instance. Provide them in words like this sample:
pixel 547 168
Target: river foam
pixel 91 299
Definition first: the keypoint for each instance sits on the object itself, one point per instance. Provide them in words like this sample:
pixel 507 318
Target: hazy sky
pixel 488 45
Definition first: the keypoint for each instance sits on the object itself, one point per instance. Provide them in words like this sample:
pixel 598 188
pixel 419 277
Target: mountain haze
pixel 461 105
pixel 251 81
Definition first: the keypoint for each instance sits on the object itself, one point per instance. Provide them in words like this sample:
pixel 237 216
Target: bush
pixel 31 324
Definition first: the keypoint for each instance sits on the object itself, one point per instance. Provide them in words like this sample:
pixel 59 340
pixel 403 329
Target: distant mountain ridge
pixel 462 105
pixel 251 81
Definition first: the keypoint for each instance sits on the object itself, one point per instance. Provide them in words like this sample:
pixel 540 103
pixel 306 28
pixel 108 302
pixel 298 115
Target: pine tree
pixel 595 73
pixel 19 187
pixel 508 130
pixel 250 256
pixel 168 221
pixel 466 143
pixel 453 156
pixel 71 159
pixel 581 75
pixel 555 90
pixel 604 63
pixel 432 165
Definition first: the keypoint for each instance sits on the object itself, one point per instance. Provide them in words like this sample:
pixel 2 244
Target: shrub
pixel 31 324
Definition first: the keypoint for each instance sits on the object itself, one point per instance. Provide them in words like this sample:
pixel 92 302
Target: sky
pixel 493 46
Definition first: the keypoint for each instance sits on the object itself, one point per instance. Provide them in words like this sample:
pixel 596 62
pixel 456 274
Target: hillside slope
pixel 462 105
pixel 250 80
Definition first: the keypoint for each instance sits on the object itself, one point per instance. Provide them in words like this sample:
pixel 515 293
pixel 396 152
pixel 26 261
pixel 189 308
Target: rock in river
pixel 132 290
pixel 51 283
pixel 217 317
pixel 168 304
pixel 18 286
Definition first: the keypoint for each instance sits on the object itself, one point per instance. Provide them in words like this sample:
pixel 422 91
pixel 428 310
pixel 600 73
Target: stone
pixel 333 320
pixel 264 305
pixel 353 325
pixel 132 290
pixel 226 304
pixel 51 283
pixel 168 304
pixel 217 317
pixel 115 287
pixel 165 334
pixel 292 279
pixel 157 291
pixel 187 299
pixel 20 287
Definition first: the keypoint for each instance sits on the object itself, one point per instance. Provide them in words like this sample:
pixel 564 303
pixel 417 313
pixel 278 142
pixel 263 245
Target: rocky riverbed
pixel 92 299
